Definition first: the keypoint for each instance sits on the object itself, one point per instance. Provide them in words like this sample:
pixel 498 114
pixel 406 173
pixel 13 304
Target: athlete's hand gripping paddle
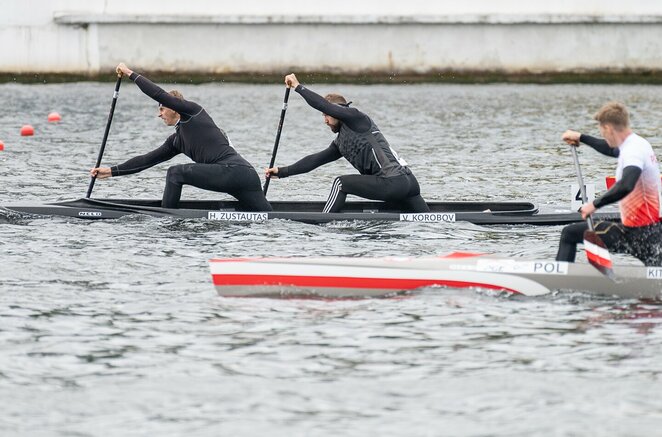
pixel 105 134
pixel 280 129
pixel 596 250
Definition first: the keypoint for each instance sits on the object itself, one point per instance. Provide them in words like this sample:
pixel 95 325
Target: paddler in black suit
pixel 383 174
pixel 217 165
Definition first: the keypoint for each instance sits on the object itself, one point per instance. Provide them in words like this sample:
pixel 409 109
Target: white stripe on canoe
pixel 519 284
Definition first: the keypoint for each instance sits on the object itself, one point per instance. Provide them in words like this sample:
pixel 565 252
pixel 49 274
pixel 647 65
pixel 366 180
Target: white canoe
pixel 374 277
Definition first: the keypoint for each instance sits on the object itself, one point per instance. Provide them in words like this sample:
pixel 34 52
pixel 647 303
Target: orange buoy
pixel 27 131
pixel 54 116
pixel 2 146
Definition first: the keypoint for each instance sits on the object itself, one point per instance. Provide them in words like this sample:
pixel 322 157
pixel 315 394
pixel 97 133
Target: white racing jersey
pixel 642 206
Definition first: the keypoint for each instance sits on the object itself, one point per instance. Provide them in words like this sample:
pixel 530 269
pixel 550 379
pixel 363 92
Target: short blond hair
pixel 615 114
pixel 177 94
pixel 335 98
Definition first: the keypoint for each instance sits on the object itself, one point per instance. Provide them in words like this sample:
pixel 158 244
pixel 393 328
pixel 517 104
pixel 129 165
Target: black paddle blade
pixel 598 254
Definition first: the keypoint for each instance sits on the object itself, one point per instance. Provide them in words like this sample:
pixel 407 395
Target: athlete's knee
pixel 175 173
pixel 572 234
pixel 566 234
pixel 336 198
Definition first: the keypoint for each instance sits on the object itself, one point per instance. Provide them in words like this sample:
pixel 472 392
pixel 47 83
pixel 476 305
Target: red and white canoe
pixel 373 277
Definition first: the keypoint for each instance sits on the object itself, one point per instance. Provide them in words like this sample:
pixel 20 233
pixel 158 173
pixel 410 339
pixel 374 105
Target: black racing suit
pixel 218 166
pixel 642 242
pixel 383 175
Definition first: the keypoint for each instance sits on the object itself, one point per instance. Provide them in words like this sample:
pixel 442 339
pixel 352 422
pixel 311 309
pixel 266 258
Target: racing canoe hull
pixel 344 277
pixel 483 213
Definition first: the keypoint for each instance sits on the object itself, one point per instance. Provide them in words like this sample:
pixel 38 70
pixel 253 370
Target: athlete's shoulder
pixel 639 140
pixel 636 151
pixel 636 144
pixel 172 139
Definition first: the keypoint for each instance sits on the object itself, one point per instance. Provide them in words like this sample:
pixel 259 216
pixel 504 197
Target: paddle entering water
pixel 105 134
pixel 596 250
pixel 280 129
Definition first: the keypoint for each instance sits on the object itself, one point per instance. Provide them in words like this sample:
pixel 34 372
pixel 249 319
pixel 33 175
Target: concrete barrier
pixel 343 37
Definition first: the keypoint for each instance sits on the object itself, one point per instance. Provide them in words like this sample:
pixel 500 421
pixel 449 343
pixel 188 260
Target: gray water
pixel 113 328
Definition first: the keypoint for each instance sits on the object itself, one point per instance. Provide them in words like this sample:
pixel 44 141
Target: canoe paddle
pixel 596 250
pixel 280 129
pixel 105 134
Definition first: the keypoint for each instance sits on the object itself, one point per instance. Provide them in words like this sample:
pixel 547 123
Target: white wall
pixel 264 36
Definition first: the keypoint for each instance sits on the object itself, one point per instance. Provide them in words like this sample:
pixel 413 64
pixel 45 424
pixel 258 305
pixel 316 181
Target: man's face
pixel 333 123
pixel 609 134
pixel 168 116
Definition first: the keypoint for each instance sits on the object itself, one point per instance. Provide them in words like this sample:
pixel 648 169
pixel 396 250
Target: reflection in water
pixel 640 316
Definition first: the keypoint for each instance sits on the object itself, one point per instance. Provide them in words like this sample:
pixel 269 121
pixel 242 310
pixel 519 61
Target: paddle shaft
pixel 582 188
pixel 105 134
pixel 280 129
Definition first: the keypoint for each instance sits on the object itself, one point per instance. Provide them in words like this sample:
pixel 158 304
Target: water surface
pixel 114 328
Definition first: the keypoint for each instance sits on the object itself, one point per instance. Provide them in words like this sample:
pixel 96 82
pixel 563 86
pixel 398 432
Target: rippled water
pixel 114 328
